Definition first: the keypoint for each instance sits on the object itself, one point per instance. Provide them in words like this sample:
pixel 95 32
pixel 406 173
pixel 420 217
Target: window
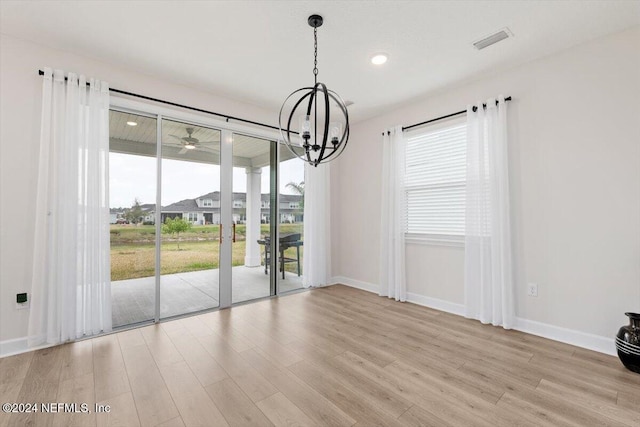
pixel 435 181
pixel 192 216
pixel 237 204
pixel 294 205
pixel 207 203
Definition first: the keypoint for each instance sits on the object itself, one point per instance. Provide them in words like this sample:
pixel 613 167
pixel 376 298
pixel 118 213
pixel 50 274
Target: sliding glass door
pixel 189 222
pixel 251 223
pixel 132 190
pixel 197 222
pixel 290 220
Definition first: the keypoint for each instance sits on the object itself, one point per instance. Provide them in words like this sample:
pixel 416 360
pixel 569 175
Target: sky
pixel 132 177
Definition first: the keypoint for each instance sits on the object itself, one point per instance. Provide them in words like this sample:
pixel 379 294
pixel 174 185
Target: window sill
pixel 434 240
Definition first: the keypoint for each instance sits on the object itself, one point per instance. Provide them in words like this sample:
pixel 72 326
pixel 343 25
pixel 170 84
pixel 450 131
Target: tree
pixel 134 214
pixel 297 189
pixel 177 226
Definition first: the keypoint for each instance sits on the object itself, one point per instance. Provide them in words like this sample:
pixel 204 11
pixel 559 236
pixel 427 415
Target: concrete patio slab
pixel 132 300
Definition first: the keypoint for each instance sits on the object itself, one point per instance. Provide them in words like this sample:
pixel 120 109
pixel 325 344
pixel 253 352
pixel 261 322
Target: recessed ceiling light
pixel 132 123
pixel 379 58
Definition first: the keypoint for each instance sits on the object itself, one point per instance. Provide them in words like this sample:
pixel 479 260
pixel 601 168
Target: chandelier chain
pixel 315 55
pixel 317 142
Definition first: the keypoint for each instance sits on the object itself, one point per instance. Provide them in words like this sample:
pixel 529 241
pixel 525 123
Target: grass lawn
pixel 133 250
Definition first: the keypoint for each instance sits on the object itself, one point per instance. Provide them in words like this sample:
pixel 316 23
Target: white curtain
pixel 488 269
pixel 392 224
pixel 70 288
pixel 316 264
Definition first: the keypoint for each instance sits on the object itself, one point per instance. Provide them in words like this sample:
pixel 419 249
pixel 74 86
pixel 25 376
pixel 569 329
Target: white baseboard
pixel 593 342
pixel 434 303
pixel 437 304
pixel 358 284
pixel 13 346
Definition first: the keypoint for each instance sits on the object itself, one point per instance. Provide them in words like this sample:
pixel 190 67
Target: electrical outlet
pixel 532 289
pixel 22 303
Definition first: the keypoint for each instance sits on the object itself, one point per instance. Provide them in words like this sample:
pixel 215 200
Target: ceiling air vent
pixel 494 38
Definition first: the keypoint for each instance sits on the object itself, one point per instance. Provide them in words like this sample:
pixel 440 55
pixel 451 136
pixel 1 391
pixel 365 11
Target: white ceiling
pixel 260 51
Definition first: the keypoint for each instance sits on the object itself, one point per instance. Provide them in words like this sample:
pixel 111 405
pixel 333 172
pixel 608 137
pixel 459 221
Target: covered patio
pixel 132 300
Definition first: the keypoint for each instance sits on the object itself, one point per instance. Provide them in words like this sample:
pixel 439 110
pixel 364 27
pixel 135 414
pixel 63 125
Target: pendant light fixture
pixel 319 117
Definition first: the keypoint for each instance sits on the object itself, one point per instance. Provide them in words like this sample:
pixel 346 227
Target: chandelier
pixel 321 116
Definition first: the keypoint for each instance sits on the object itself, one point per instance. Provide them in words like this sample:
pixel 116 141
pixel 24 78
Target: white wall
pixel 20 102
pixel 575 186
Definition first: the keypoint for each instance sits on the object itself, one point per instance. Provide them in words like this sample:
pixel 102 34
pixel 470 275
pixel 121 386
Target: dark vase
pixel 628 343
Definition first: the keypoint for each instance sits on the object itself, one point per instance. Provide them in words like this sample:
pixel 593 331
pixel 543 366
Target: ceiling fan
pixel 189 142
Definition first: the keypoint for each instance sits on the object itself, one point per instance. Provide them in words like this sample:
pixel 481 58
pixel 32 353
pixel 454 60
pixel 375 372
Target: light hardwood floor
pixel 335 356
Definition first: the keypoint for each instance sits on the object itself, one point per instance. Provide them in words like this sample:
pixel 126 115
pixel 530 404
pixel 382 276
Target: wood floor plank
pixel 110 375
pixel 14 368
pixel 199 360
pixel 283 413
pixel 272 349
pixel 379 395
pixel 77 359
pixel 236 407
pixel 565 410
pixel 107 355
pixel 545 416
pixel 334 356
pixel 9 391
pixel 464 396
pixel 612 411
pixel 150 393
pixel 247 378
pixel 160 345
pixel 309 351
pixel 418 417
pixel 312 403
pixel 111 384
pixel 364 348
pixel 433 403
pixel 40 385
pixel 174 422
pixel 629 401
pixel 78 390
pixel 193 402
pixel 428 350
pixel 130 338
pixel 350 401
pixel 122 412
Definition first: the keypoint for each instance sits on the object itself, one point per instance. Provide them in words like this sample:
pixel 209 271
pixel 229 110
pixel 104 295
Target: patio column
pixel 252 255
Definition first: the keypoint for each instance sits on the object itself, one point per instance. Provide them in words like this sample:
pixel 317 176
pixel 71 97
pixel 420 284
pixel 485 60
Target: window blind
pixel 435 181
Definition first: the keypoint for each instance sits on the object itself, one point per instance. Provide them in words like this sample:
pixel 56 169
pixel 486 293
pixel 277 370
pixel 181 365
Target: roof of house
pixel 187 205
pixel 190 205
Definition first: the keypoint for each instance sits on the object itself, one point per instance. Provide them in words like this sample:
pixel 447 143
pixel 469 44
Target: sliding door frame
pixel 227 130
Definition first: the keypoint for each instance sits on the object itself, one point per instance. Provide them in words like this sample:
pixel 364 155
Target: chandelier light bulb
pixel 305 130
pixel 335 133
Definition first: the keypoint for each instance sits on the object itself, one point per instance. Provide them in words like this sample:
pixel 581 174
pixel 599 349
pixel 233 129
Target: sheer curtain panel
pixel 316 264
pixel 393 218
pixel 488 271
pixel 70 288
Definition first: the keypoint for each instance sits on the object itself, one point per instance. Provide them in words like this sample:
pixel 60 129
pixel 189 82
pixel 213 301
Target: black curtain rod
pixel 475 108
pixel 148 98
